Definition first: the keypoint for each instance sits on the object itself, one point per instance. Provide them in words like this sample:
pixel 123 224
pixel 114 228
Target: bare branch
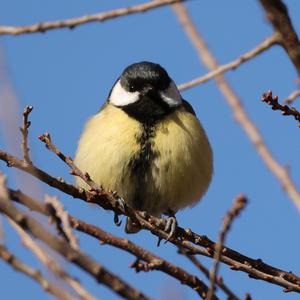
pixel 275 105
pixel 234 102
pixel 277 14
pixel 35 274
pixel 151 261
pixel 1 231
pixel 72 23
pixel 219 280
pixel 291 98
pixel 238 205
pixel 83 261
pixel 50 263
pixel 24 131
pixel 266 44
pixel 146 260
pixel 184 239
pixel 61 218
pixel 46 138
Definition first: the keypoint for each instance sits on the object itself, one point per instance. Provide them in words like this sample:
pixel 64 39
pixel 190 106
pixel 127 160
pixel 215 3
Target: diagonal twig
pixel 291 98
pixel 35 274
pixel 275 105
pixel 219 280
pixel 61 219
pixel 277 14
pixel 235 103
pixel 24 131
pixel 263 46
pixel 50 263
pixel 238 205
pixel 74 22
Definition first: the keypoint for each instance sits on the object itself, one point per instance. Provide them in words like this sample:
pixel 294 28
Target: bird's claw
pixel 120 203
pixel 171 226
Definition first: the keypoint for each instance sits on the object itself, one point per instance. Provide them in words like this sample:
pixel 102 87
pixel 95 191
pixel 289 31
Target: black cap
pixel 139 75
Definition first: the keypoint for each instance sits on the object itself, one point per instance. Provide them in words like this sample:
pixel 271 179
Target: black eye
pixel 131 89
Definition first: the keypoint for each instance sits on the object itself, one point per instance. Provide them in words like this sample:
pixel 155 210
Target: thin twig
pixel 1 231
pixel 35 274
pixel 46 138
pixel 83 261
pixel 277 14
pixel 266 44
pixel 234 102
pixel 219 280
pixel 50 263
pixel 74 22
pixel 275 105
pixel 61 218
pixel 291 98
pixel 24 131
pixel 238 205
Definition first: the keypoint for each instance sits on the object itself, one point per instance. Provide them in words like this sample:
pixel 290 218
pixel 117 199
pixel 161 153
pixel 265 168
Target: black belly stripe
pixel 141 165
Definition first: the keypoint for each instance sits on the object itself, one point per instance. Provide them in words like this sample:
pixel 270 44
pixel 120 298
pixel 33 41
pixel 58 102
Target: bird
pixel 147 144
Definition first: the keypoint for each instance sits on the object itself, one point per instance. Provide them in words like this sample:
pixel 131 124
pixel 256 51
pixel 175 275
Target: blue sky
pixel 66 75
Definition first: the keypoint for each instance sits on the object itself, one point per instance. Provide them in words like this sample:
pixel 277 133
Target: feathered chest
pixel 148 165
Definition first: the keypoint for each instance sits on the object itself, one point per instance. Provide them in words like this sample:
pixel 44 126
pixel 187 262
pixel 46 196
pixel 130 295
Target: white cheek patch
pixel 120 97
pixel 171 95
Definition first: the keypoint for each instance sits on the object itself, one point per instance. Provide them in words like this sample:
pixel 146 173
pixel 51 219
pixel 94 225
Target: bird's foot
pixel 170 228
pixel 120 203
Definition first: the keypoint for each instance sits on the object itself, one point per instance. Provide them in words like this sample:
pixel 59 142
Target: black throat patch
pixel 141 167
pixel 148 110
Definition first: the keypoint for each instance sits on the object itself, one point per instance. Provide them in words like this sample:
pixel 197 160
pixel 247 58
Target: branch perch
pixel 192 242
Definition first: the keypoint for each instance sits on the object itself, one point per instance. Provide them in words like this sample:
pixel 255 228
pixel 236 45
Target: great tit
pixel 147 144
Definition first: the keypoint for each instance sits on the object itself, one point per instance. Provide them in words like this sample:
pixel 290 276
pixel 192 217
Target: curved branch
pixel 263 46
pixel 74 22
pixel 278 16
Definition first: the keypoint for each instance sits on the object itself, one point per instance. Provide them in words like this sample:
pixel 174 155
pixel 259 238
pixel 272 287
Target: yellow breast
pixel 179 174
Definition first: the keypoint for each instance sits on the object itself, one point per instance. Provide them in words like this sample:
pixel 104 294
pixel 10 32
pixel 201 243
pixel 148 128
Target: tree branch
pixel 50 263
pixel 153 262
pixel 291 98
pixel 266 44
pixel 275 105
pixel 35 274
pixel 219 280
pixel 184 238
pixel 83 261
pixel 234 102
pixel 278 16
pixel 74 22
pixel 24 131
pixel 238 205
